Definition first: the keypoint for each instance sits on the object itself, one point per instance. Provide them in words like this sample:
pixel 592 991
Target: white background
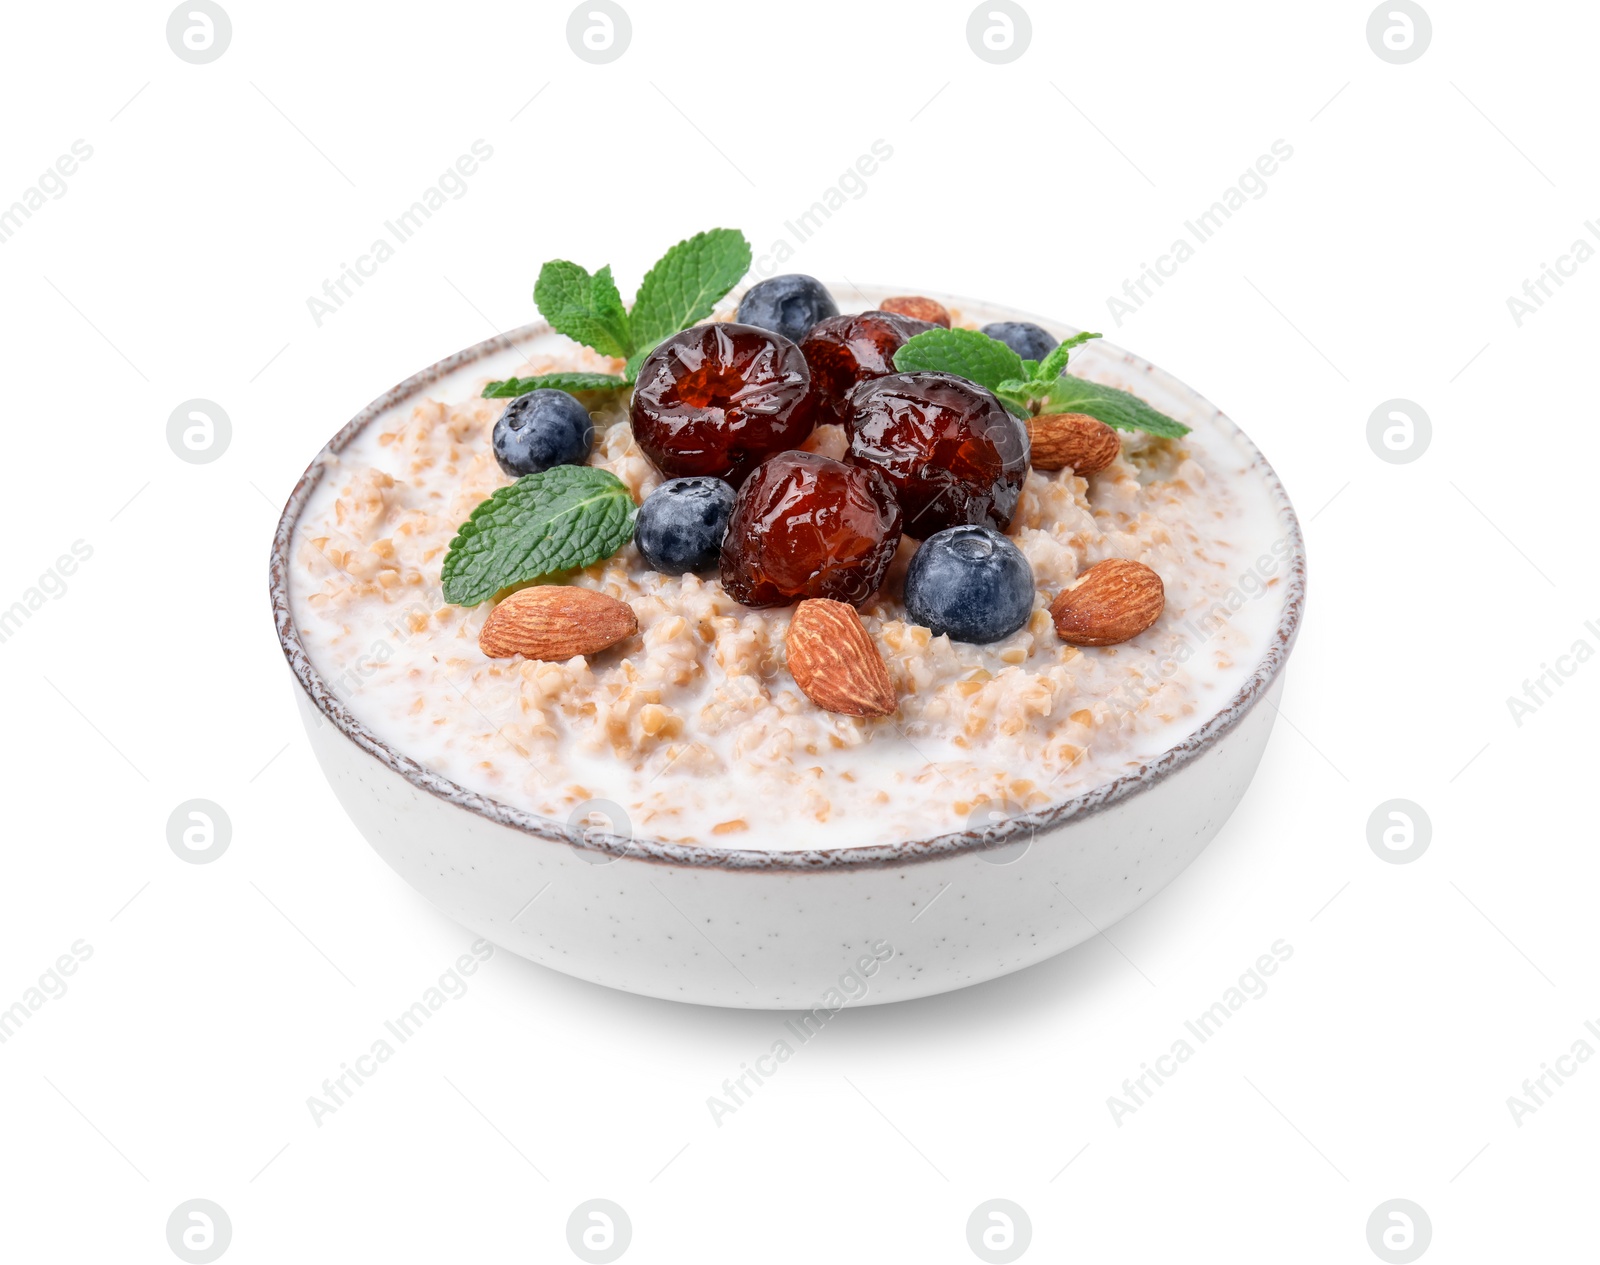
pixel 1377 265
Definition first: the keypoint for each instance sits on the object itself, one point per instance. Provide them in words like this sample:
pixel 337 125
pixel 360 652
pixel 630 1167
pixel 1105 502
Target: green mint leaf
pixel 1030 368
pixel 1056 361
pixel 587 309
pixel 564 517
pixel 1016 397
pixel 687 282
pixel 609 310
pixel 1117 409
pixel 631 373
pixel 964 352
pixel 510 388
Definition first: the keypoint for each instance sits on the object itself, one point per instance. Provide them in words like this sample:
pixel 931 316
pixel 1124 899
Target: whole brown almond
pixel 1072 441
pixel 1109 603
pixel 918 308
pixel 555 622
pixel 834 661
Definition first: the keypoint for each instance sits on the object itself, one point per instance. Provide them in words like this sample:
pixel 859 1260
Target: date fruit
pixel 845 350
pixel 806 526
pixel 719 399
pixel 952 453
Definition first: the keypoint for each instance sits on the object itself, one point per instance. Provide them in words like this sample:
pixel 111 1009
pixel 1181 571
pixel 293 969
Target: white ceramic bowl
pixel 796 930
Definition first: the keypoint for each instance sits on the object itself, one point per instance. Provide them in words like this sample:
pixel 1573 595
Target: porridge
pixel 695 719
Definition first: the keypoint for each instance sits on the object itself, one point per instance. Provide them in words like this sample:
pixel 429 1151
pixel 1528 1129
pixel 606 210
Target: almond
pixel 555 622
pixel 918 308
pixel 835 662
pixel 1109 603
pixel 1072 440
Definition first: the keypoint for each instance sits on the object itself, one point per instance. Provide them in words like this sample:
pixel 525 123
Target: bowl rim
pixel 1018 829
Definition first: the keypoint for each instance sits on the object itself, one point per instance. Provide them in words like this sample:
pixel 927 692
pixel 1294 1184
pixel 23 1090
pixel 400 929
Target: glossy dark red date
pixel 843 351
pixel 805 525
pixel 719 399
pixel 947 446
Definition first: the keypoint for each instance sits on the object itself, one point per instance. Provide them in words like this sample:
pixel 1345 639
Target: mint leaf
pixel 631 372
pixel 964 352
pixel 1016 395
pixel 687 282
pixel 587 309
pixel 564 517
pixel 1056 361
pixel 682 288
pixel 510 388
pixel 608 309
pixel 1118 409
pixel 990 363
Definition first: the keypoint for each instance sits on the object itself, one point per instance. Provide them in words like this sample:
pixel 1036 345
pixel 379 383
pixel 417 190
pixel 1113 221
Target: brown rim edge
pixel 811 860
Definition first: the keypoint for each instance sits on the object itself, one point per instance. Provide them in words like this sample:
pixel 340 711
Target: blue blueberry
pixel 969 582
pixel 787 305
pixel 681 525
pixel 1023 337
pixel 542 429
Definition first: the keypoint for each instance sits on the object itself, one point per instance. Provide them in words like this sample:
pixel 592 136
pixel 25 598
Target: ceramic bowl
pixel 809 930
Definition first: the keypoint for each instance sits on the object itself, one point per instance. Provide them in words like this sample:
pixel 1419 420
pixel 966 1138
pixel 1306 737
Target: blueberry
pixel 1023 337
pixel 542 429
pixel 787 305
pixel 681 525
pixel 970 582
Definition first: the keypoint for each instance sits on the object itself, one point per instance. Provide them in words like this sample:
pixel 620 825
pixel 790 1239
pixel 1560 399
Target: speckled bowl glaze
pixel 794 930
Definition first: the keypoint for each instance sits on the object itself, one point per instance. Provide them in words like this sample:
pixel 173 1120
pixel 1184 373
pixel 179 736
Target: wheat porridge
pixel 703 714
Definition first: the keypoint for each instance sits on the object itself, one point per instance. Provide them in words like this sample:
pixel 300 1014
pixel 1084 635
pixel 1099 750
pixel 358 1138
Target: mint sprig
pixel 967 353
pixel 510 388
pixel 1121 410
pixel 587 309
pixel 682 287
pixel 1028 388
pixel 686 283
pixel 1053 365
pixel 561 518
